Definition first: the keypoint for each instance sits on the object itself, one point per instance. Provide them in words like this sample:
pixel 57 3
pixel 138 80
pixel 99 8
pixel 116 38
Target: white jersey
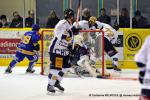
pixel 58 44
pixel 82 24
pixel 143 56
pixel 109 32
pixel 84 36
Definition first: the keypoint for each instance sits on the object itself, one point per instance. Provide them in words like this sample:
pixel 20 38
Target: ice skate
pixel 8 70
pixel 116 69
pixel 30 70
pixel 59 87
pixel 50 89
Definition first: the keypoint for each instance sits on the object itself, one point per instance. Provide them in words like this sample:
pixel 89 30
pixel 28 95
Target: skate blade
pixel 6 73
pixel 50 93
pixel 117 71
pixel 60 91
pixel 29 72
pixel 116 74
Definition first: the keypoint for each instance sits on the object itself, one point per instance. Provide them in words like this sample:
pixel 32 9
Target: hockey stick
pixel 77 20
pixel 78 12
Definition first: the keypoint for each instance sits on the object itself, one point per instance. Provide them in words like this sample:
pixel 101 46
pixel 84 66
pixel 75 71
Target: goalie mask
pixel 68 13
pixel 92 20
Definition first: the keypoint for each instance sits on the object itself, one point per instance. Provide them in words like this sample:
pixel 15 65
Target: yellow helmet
pixel 92 20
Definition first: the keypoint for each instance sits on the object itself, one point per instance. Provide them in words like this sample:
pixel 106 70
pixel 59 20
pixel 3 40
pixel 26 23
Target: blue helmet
pixel 35 27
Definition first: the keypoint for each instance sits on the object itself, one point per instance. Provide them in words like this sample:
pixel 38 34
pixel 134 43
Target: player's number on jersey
pixel 26 39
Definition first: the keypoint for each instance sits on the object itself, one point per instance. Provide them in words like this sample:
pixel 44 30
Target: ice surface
pixel 21 86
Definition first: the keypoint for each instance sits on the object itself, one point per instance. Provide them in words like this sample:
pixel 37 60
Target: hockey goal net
pixel 47 36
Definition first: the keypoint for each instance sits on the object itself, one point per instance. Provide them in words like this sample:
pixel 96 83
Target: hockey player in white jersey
pixel 58 50
pixel 142 59
pixel 110 37
pixel 84 40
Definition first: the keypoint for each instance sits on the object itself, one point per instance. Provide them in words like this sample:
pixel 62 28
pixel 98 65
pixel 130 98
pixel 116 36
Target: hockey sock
pixel 31 65
pixel 115 59
pixel 60 75
pixel 53 76
pixel 13 63
pixel 33 62
pixel 51 79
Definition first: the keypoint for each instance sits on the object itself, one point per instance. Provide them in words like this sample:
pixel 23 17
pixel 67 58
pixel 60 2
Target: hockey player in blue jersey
pixel 27 48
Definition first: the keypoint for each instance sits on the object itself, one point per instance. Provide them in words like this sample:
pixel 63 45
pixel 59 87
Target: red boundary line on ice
pixel 115 78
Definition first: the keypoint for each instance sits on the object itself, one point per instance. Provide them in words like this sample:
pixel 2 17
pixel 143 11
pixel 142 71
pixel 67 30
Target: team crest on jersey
pixel 133 42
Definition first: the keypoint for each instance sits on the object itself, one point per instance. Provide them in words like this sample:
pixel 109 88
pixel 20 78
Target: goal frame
pixel 50 30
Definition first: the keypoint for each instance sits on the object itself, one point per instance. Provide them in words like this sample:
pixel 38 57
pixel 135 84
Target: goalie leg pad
pixel 82 60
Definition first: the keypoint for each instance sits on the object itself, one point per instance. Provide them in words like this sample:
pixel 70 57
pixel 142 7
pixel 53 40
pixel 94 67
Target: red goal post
pixel 46 36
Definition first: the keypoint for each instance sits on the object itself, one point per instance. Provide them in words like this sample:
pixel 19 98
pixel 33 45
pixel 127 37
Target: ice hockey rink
pixel 22 86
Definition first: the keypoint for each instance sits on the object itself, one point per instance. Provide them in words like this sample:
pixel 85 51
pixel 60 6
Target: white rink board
pixel 22 86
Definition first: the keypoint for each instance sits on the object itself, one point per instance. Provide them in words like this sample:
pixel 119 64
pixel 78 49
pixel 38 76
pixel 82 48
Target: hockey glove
pixel 70 48
pixel 37 47
pixel 116 26
pixel 74 30
pixel 95 25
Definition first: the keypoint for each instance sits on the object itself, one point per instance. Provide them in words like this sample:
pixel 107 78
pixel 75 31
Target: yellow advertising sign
pixel 133 40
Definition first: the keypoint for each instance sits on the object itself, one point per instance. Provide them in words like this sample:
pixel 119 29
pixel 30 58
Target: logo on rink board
pixel 133 41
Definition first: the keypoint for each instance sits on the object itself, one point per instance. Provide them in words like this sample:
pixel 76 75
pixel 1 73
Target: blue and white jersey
pixel 62 38
pixel 83 36
pixel 109 32
pixel 83 24
pixel 29 40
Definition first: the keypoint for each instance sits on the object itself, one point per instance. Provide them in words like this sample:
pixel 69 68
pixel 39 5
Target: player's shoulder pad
pixel 61 23
pixel 83 24
pixel 98 22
